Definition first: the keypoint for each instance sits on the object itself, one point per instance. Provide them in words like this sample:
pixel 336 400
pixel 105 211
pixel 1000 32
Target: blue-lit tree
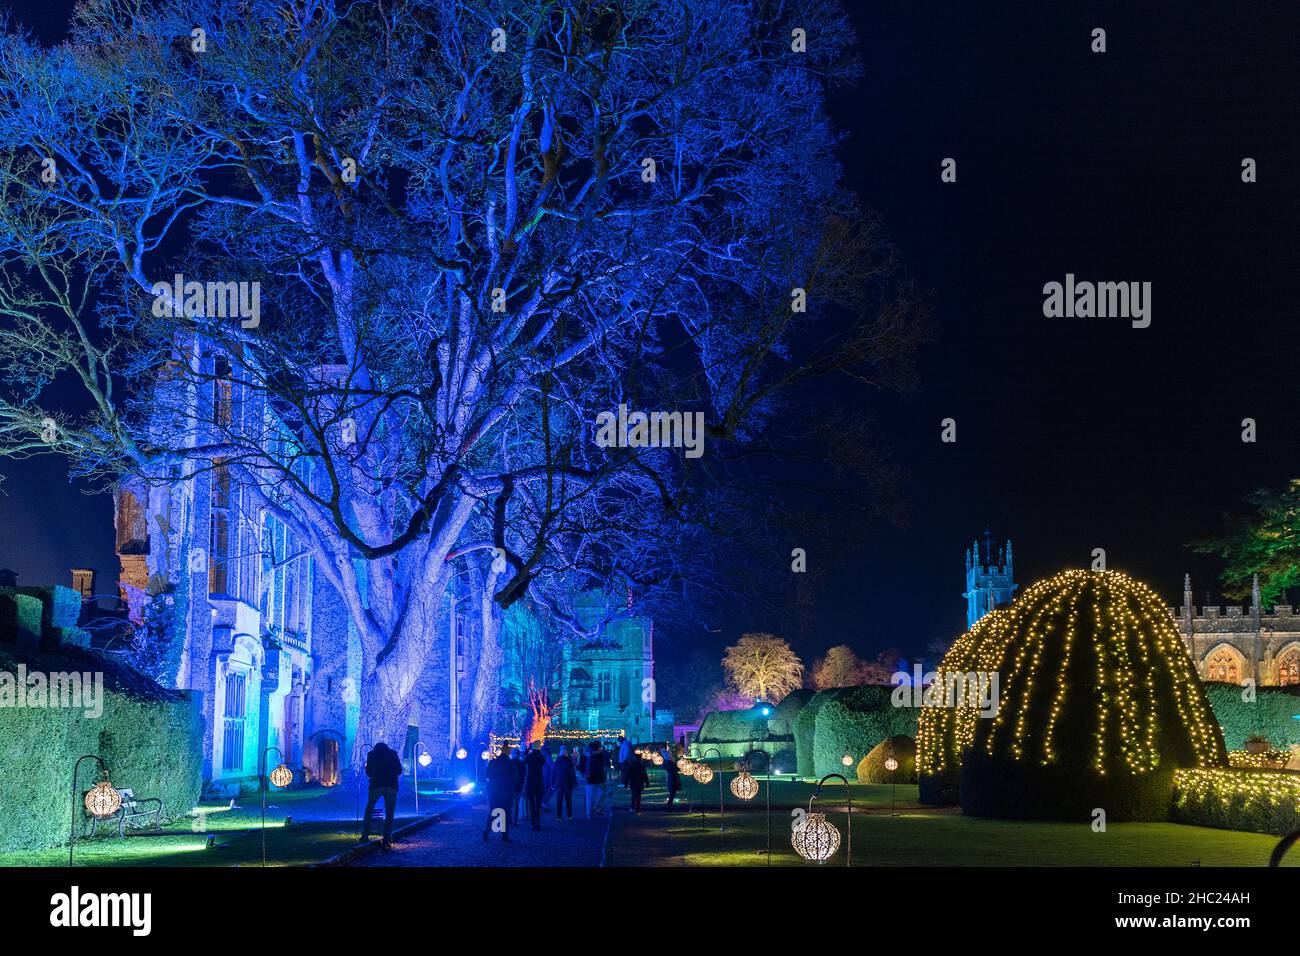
pixel 474 226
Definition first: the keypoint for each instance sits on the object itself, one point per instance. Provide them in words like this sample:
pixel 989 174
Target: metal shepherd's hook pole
pixel 415 770
pixel 848 795
pixel 722 816
pixel 767 760
pixel 262 788
pixel 72 827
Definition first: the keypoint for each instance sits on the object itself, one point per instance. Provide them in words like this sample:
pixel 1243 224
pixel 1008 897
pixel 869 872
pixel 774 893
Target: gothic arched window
pixel 1223 667
pixel 1288 669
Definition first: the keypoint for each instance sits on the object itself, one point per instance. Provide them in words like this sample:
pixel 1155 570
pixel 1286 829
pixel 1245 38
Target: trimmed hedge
pixel 854 722
pixel 781 723
pixel 732 726
pixel 1005 788
pixel 1270 715
pixel 871 768
pixel 150 738
pixel 1264 801
pixel 805 725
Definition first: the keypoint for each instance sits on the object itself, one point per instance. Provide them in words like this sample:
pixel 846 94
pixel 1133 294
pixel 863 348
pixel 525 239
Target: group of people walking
pixel 519 783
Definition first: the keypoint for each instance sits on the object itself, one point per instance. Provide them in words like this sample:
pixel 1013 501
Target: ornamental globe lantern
pixel 847 760
pixel 744 786
pixel 686 765
pixel 816 839
pixel 702 773
pixel 891 764
pixel 102 800
pixel 281 776
pixel 461 754
pixel 657 760
pixel 485 755
pixel 426 758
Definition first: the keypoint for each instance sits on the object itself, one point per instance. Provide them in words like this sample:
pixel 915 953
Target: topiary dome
pixel 1098 704
pixel 872 769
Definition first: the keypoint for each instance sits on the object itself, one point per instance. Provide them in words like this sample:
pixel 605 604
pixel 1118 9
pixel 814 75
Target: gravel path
pixel 457 840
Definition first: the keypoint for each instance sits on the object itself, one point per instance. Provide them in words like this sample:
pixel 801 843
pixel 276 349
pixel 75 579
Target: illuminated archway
pixel 1224 665
pixel 1288 666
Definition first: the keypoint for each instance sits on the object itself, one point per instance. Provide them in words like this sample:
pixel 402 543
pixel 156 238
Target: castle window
pixel 1223 667
pixel 232 740
pixel 1288 671
pixel 221 393
pixel 604 688
pixel 219 535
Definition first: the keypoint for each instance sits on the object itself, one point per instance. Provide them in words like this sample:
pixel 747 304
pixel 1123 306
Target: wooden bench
pixel 142 814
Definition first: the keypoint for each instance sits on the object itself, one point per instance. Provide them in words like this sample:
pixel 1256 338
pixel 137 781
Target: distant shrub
pixel 871 768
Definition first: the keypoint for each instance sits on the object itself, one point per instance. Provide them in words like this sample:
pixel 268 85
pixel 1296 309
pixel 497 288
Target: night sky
pixel 1073 434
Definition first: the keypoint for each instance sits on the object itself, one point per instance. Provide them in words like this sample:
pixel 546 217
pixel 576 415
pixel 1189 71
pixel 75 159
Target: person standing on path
pixel 500 774
pixel 672 778
pixel 535 783
pixel 637 780
pixel 624 757
pixel 548 775
pixel 384 768
pixel 517 768
pixel 565 778
pixel 595 777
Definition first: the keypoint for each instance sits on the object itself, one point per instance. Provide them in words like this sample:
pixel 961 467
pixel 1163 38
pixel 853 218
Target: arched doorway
pixel 326 753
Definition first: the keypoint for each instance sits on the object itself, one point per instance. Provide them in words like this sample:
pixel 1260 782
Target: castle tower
pixel 990 579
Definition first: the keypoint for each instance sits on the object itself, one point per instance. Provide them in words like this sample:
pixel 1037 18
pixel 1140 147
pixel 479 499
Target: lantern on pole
pixel 744 786
pixel 281 776
pixel 816 838
pixel 103 800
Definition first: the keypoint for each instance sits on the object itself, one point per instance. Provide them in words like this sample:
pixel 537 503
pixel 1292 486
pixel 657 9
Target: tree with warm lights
pixel 763 666
pixel 839 668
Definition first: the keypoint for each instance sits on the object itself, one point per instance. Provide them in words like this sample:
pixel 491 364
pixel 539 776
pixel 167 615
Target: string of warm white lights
pixel 1273 790
pixel 1134 661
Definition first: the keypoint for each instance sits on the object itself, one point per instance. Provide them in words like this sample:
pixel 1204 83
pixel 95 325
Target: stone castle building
pixel 1233 644
pixel 605 681
pixel 990 579
pixel 266 644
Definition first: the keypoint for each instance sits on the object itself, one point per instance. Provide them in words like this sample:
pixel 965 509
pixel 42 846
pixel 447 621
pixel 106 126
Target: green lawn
pixel 926 838
pixel 919 836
